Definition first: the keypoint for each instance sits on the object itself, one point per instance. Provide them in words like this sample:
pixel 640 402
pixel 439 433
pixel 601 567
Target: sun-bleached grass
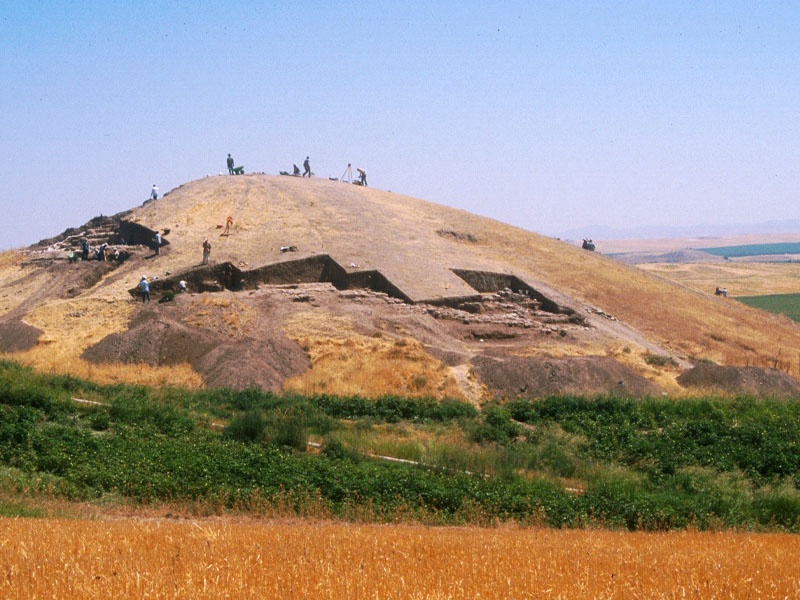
pixel 70 326
pixel 373 367
pixel 10 258
pixel 51 558
pixel 345 362
pixel 107 373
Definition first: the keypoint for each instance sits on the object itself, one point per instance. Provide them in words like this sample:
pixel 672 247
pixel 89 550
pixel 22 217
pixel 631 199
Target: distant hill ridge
pixel 602 232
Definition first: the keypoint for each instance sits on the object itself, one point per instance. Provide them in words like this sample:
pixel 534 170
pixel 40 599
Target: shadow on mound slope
pixel 158 337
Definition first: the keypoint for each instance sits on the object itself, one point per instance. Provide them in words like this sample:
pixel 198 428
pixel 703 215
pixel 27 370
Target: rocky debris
pixel 98 230
pixel 357 295
pixel 458 235
pixel 496 334
pixel 505 307
pixel 601 313
pixel 537 376
pixel 758 381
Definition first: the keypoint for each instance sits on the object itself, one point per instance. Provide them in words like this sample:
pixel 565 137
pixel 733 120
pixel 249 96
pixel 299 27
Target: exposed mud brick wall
pixel 134 233
pixel 208 278
pixel 454 301
pixel 377 282
pixel 314 269
pixel 486 281
pixel 320 268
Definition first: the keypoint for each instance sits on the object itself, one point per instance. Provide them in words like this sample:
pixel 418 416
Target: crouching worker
pixel 144 289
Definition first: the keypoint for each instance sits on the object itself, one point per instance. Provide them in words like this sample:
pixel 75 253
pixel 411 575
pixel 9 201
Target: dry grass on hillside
pixel 10 258
pixel 107 373
pixel 345 362
pixel 70 326
pixel 11 271
pixel 741 279
pixel 45 558
pixel 682 319
pixel 372 367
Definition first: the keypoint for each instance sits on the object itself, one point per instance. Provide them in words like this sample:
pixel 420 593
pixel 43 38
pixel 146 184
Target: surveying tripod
pixel 348 174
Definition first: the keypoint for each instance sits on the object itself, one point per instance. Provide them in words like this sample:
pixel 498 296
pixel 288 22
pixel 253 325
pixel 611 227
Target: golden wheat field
pixel 138 558
pixel 741 278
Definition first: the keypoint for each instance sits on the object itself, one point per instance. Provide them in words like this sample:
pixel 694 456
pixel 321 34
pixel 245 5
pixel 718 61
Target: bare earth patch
pixel 16 335
pixel 536 376
pixel 758 381
pixel 179 332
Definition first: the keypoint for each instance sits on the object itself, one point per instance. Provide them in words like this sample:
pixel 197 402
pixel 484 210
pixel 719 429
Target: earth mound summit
pixel 323 286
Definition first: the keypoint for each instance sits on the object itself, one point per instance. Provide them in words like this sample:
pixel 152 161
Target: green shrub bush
pixel 496 426
pixel 289 431
pixel 250 426
pixel 333 447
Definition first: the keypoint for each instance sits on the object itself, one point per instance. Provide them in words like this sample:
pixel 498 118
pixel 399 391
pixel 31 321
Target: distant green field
pixel 754 249
pixel 788 304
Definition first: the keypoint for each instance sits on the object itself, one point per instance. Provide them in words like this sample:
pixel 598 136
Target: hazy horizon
pixel 549 116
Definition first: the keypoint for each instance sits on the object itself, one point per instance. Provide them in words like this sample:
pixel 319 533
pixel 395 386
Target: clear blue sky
pixel 547 115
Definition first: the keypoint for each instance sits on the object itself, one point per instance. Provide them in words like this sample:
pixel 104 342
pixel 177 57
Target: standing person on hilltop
pixel 144 289
pixel 206 251
pixel 154 192
pixel 307 168
pixel 230 165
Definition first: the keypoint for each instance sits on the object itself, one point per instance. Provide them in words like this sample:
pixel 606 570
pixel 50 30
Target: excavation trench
pixel 488 282
pixel 322 268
